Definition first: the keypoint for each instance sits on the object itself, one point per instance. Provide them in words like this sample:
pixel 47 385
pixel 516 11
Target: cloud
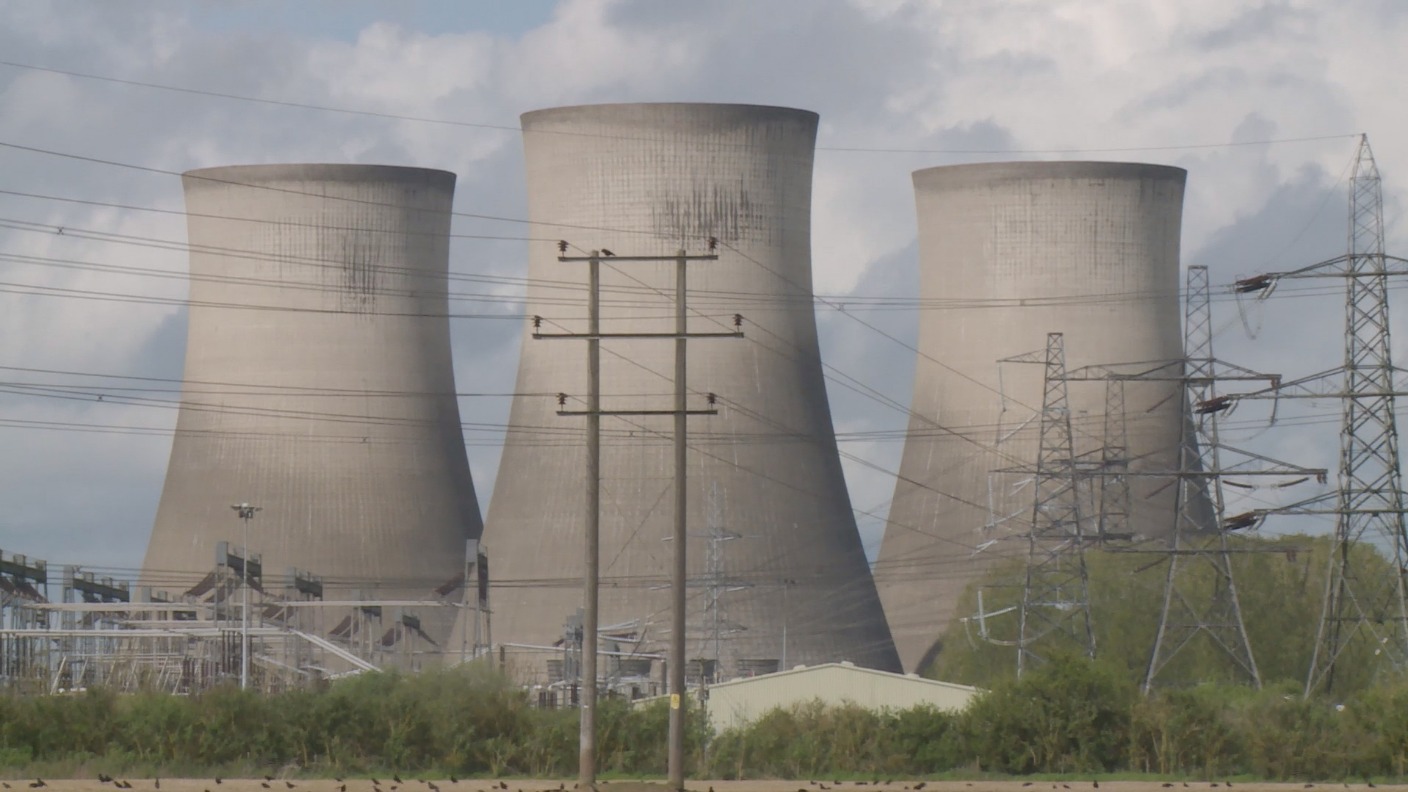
pixel 1025 76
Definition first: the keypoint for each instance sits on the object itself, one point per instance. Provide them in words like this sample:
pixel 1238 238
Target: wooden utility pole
pixel 586 775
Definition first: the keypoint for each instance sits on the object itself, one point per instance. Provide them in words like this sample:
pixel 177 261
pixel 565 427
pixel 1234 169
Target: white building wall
pixel 739 702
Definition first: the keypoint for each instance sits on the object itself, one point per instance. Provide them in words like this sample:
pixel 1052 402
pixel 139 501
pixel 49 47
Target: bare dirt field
pixel 804 785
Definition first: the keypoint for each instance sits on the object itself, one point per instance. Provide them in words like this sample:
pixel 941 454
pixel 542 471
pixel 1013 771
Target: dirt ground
pixel 804 785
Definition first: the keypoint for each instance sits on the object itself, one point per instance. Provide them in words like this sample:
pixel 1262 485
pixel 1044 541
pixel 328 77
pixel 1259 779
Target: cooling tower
pixel 777 571
pixel 1009 252
pixel 318 383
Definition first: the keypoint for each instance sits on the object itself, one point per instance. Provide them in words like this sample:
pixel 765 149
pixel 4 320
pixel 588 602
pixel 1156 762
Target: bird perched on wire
pixel 606 252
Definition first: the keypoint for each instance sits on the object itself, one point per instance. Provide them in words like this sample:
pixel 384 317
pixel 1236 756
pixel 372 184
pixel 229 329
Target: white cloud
pixel 1023 74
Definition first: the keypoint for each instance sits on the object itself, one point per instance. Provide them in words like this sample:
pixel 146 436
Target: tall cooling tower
pixel 318 382
pixel 777 571
pixel 1009 252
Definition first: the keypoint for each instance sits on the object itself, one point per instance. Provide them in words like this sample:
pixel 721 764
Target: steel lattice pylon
pixel 1056 589
pixel 1370 486
pixel 1186 613
pixel 1368 502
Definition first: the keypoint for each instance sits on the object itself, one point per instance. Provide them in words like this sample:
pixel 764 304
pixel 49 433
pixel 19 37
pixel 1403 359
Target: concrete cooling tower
pixel 318 383
pixel 777 571
pixel 1009 252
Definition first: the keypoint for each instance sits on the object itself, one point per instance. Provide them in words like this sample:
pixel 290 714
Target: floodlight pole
pixel 246 513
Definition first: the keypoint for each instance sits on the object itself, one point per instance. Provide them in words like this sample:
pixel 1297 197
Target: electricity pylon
pixel 1056 588
pixel 1200 540
pixel 1368 504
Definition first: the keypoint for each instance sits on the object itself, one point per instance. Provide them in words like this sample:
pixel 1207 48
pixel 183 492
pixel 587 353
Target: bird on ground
pixel 1095 783
pixel 432 786
pixel 219 780
pixel 920 785
pixel 396 778
pixel 38 783
pixel 1167 785
pixel 264 784
pixel 289 784
pixel 1025 784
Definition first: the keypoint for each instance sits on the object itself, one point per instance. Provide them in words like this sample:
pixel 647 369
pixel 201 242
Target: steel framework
pixel 1186 613
pixel 1368 503
pixel 1056 588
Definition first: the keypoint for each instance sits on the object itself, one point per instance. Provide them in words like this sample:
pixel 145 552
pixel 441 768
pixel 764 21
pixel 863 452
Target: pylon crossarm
pixel 1328 384
pixel 1140 370
pixel 1274 467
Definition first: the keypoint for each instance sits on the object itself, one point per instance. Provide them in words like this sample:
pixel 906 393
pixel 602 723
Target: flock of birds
pixel 269 782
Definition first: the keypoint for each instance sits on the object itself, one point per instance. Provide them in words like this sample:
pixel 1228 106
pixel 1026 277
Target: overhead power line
pixel 498 127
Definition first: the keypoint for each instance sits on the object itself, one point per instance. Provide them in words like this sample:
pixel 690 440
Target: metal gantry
pixel 1368 504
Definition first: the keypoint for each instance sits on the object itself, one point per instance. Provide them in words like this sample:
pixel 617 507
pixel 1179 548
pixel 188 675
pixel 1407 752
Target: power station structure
pixel 776 572
pixel 1011 252
pixel 319 388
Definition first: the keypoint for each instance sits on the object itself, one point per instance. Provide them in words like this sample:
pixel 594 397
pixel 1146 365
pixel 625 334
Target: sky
pixel 1260 101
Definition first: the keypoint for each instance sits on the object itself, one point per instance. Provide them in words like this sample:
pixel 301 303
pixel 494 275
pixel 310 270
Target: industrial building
pixel 1010 252
pixel 777 574
pixel 739 702
pixel 319 389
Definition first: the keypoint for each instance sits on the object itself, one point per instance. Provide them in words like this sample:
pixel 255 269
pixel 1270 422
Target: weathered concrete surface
pixel 319 383
pixel 648 180
pixel 1009 252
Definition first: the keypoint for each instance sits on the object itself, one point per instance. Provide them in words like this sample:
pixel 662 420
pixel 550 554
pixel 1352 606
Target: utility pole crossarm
pixel 607 259
pixel 709 411
pixel 620 336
